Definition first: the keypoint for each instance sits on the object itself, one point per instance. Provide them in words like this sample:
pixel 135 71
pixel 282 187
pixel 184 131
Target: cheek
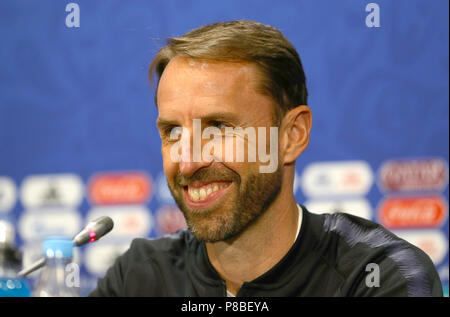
pixel 170 167
pixel 243 170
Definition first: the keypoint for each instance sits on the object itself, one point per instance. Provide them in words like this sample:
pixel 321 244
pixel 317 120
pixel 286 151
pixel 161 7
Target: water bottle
pixel 55 279
pixel 10 263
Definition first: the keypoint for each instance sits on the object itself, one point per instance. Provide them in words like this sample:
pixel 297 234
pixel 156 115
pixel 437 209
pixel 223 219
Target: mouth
pixel 203 195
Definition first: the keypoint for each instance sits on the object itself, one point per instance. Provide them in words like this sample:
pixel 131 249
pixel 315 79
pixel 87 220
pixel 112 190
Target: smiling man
pixel 239 88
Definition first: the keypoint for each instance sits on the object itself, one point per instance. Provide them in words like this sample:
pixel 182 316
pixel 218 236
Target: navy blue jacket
pixel 334 255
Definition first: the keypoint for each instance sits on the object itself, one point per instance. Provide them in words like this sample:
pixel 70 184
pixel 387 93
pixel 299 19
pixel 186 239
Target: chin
pixel 211 230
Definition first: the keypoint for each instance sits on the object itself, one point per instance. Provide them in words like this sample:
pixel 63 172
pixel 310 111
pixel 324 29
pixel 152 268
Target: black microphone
pixel 93 231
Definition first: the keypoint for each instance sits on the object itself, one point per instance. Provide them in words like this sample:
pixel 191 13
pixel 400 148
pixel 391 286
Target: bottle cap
pixel 57 247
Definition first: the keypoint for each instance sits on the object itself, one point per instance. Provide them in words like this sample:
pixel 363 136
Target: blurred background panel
pixel 77 117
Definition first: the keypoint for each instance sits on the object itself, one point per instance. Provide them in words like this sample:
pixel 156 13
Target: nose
pixel 191 159
pixel 189 168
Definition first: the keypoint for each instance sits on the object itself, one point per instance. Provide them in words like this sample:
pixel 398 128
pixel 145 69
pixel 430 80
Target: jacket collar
pixel 281 280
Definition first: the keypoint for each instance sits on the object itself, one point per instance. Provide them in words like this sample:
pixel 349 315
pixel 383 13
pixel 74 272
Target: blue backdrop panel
pixel 77 100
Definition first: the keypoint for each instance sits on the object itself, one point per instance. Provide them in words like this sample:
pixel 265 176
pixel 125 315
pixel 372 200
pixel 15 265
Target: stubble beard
pixel 243 206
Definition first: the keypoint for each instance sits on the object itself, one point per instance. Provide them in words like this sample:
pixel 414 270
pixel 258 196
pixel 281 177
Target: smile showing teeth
pixel 202 192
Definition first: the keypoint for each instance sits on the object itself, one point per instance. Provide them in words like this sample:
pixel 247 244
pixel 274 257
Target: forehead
pixel 195 86
pixel 207 74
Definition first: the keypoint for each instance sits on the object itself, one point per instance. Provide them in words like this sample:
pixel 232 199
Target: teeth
pixel 203 192
pixel 194 194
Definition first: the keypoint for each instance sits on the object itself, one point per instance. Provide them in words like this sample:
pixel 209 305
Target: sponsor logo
pixel 412 212
pixel 347 178
pixel 170 219
pixel 8 194
pixel 40 223
pixel 432 242
pixel 413 175
pixel 52 190
pixel 357 207
pixel 129 221
pixel 99 257
pixel 120 188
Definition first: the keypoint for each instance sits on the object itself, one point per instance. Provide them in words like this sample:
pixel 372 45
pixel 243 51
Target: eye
pixel 219 124
pixel 169 129
pixel 166 131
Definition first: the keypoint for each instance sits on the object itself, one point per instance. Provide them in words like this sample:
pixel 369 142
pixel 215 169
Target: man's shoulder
pixel 372 244
pixel 149 267
pixel 357 231
pixel 176 243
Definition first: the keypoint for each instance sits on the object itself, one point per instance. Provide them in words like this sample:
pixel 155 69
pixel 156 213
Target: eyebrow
pixel 160 122
pixel 226 116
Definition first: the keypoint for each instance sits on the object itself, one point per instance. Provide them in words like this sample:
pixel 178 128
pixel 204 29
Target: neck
pixel 260 247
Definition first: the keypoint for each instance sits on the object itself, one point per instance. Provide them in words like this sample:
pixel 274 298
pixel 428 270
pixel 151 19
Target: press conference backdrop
pixel 77 118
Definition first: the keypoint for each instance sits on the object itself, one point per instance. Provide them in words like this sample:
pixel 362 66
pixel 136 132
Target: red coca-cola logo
pixel 413 175
pixel 120 188
pixel 413 212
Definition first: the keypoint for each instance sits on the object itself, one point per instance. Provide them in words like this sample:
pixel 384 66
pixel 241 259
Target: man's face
pixel 219 199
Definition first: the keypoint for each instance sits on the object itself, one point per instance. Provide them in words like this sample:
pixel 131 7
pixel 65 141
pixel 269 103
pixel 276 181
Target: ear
pixel 295 131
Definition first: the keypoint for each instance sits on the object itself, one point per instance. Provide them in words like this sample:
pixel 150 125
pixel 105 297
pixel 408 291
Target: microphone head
pixel 94 230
